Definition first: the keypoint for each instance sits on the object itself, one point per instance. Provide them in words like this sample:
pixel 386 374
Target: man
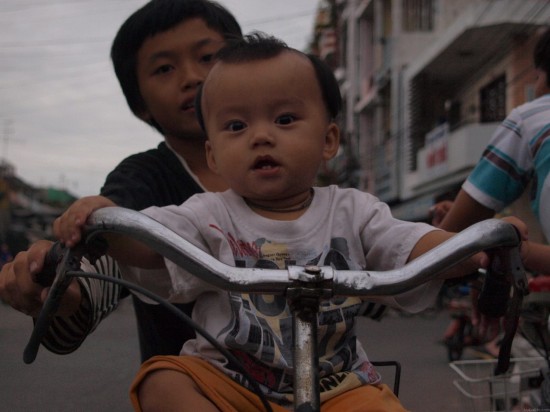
pixel 518 154
pixel 161 55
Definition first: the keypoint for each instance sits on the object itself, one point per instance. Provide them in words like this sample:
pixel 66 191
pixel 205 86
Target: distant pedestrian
pixel 5 254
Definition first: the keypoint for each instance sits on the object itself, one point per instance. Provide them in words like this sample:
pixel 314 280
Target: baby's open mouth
pixel 265 163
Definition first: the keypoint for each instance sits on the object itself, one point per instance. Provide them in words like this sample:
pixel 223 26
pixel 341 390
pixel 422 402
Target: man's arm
pixel 19 289
pixel 84 305
pixel 99 299
pixel 464 212
pixel 536 257
pixel 131 252
pixel 155 177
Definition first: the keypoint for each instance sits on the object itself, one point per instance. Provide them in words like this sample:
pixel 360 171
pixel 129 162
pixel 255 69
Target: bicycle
pixel 304 287
pixel 527 385
pixel 461 332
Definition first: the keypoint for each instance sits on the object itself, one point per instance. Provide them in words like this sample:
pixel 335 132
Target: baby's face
pixel 267 126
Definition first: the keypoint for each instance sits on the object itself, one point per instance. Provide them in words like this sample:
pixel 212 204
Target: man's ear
pixel 332 141
pixel 210 158
pixel 143 114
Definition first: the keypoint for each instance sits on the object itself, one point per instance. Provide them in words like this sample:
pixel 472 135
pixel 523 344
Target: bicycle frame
pixel 304 287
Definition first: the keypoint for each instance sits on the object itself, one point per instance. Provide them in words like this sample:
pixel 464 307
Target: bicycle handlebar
pixel 489 234
pixel 500 237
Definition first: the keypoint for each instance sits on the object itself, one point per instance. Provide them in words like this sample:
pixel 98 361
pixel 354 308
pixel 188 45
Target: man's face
pixel 170 67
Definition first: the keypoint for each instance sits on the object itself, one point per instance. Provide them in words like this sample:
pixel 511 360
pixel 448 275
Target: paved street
pixel 96 377
pixel 426 378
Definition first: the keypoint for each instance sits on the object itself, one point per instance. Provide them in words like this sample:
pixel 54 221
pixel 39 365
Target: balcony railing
pixel 450 158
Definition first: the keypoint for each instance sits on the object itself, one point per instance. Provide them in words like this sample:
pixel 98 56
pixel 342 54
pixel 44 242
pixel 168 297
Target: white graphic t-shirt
pixel 345 228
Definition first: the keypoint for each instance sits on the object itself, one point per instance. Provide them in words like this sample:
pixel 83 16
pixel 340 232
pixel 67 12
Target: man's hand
pixel 439 211
pixel 18 285
pixel 487 328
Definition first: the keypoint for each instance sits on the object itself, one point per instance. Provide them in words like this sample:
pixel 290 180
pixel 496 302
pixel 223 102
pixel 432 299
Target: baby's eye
pixel 285 119
pixel 235 126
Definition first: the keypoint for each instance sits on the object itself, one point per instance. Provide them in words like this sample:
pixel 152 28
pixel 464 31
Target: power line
pixel 54 42
pixel 38 43
pixel 24 7
pixel 285 17
pixel 14 51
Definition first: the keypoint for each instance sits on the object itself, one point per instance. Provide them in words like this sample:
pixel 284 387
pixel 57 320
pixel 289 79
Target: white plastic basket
pixel 480 390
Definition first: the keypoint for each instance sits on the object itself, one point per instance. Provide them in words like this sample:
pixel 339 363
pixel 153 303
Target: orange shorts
pixel 229 396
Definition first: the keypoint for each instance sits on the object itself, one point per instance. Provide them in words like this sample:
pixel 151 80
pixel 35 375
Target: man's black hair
pixel 541 55
pixel 155 17
pixel 259 46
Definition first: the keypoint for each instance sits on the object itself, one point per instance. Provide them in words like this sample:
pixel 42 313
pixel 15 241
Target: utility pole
pixel 5 170
pixel 7 136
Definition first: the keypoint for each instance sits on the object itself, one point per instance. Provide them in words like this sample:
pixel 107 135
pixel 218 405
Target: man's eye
pixel 207 58
pixel 285 119
pixel 236 126
pixel 165 68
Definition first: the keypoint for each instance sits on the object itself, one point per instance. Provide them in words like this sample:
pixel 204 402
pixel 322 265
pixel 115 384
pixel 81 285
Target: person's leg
pixel 167 390
pixel 367 398
pixel 187 383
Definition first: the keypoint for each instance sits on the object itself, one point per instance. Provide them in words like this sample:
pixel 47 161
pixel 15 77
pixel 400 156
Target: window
pixel 493 101
pixel 418 15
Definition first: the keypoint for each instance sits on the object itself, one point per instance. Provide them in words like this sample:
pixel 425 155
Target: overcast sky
pixel 63 119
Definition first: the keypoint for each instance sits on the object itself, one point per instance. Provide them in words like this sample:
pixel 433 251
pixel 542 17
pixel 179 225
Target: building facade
pixel 425 83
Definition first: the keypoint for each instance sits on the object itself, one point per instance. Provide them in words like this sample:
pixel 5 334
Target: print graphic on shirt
pixel 260 332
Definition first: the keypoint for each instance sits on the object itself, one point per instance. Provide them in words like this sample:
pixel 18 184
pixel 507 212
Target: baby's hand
pixel 520 226
pixel 68 227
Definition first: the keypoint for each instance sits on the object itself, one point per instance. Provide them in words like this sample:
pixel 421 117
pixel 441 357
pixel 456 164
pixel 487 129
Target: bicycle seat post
pixel 304 297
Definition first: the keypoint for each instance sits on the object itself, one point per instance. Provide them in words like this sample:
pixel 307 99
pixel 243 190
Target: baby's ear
pixel 210 158
pixel 332 141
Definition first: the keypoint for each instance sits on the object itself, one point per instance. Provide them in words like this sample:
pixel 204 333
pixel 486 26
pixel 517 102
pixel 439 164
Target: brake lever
pixel 67 260
pixel 59 261
pixel 502 294
pixel 52 260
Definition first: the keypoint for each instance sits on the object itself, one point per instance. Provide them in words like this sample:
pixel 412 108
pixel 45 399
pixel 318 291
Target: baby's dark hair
pixel 259 46
pixel 155 17
pixel 541 55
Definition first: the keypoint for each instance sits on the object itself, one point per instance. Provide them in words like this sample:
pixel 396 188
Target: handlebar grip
pixel 494 295
pixel 57 257
pixel 53 257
